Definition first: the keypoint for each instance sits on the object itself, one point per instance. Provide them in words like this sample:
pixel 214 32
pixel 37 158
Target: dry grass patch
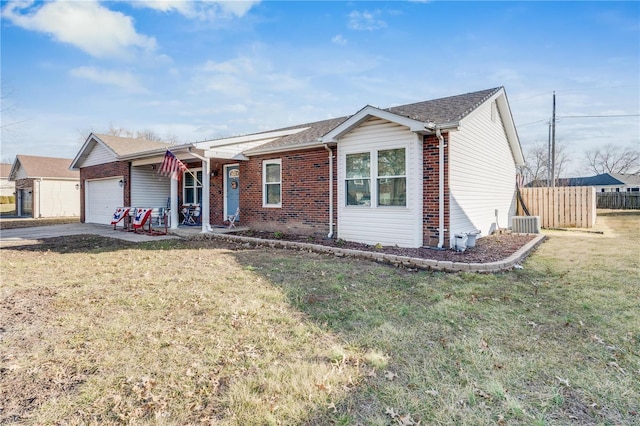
pixel 161 336
pixel 181 332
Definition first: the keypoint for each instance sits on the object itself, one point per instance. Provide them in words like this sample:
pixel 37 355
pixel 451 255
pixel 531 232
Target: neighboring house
pixel 608 182
pixel 411 175
pixel 7 188
pixel 45 187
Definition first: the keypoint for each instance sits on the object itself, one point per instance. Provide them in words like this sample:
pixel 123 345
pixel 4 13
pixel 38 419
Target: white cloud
pixel 124 80
pixel 85 24
pixel 365 21
pixel 205 9
pixel 339 39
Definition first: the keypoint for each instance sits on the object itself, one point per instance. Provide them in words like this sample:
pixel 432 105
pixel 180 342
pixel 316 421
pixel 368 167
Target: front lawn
pixel 97 330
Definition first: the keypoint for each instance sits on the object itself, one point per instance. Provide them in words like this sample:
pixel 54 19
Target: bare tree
pixel 149 135
pixel 612 158
pixel 536 167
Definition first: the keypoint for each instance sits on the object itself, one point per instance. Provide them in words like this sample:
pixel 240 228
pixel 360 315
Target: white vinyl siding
pixel 57 198
pixel 373 224
pixel 482 173
pixel 98 155
pixel 148 188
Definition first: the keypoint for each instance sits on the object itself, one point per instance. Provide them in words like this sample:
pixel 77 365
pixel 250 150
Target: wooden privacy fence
pixel 561 207
pixel 618 200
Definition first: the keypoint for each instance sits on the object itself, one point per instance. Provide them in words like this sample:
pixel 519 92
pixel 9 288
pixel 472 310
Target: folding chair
pixel 233 218
pixel 121 214
pixel 191 214
pixel 140 218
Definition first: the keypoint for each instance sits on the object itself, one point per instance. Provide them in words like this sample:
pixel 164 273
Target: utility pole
pixel 549 155
pixel 553 143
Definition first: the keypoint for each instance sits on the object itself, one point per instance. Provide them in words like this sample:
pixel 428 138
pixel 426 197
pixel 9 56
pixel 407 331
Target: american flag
pixel 171 165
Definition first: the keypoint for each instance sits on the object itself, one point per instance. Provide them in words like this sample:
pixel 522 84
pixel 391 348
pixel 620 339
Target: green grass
pixel 184 332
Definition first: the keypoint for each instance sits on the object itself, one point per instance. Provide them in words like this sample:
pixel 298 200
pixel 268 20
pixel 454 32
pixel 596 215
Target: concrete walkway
pixel 39 232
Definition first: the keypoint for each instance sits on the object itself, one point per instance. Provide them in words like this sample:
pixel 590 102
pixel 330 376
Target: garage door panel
pixel 102 198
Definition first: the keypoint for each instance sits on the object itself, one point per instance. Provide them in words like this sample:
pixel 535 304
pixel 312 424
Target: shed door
pixel 102 198
pixel 26 202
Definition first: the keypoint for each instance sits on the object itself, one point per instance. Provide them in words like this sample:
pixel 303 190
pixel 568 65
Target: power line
pixel 581 116
pixel 599 116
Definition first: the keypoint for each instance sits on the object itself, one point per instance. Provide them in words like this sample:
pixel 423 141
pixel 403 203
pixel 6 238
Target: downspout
pixel 440 188
pixel 330 235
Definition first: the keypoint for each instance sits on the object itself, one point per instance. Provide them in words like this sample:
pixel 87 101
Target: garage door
pixel 102 198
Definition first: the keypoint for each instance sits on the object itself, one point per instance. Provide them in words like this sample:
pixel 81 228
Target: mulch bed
pixel 487 249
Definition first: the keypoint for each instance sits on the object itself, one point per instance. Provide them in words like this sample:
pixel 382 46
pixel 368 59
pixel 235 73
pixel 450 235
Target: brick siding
pixel 431 165
pixel 305 193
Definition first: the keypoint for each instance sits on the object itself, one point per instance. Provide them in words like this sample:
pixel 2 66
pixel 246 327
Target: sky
pixel 191 71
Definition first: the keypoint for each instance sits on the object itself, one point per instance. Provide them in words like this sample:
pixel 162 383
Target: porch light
pixel 77 186
pixel 121 183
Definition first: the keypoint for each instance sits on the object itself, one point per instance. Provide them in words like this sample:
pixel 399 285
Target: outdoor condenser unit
pixel 525 224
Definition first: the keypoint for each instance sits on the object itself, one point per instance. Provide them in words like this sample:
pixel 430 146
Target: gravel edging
pixel 404 261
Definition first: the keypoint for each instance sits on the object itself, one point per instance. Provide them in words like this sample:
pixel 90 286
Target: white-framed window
pixel 192 188
pixel 358 179
pixel 392 177
pixel 272 183
pixel 388 167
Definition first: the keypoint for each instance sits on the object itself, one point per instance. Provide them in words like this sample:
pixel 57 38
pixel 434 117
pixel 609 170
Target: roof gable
pixel 117 147
pixel 42 167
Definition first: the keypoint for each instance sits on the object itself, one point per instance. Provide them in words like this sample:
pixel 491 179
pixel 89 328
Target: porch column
pixel 206 193
pixel 174 204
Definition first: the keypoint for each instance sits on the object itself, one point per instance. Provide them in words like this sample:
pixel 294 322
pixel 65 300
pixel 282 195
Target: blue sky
pixel 201 70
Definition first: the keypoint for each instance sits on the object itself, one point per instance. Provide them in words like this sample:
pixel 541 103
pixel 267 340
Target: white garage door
pixel 102 198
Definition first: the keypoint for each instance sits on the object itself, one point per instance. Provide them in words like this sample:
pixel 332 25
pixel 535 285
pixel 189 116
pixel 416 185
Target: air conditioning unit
pixel 525 224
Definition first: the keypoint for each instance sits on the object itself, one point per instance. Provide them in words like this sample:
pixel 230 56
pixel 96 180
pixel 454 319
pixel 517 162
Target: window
pixel 390 172
pixel 392 177
pixel 192 188
pixel 272 183
pixel 358 179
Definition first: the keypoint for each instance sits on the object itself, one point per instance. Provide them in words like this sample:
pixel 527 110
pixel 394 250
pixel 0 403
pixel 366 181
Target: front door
pixel 232 189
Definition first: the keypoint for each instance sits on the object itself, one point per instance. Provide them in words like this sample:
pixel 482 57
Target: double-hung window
pixel 358 180
pixel 272 183
pixel 392 178
pixel 192 188
pixel 389 183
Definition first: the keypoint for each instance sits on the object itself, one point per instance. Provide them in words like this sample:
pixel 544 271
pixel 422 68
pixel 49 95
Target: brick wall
pixel 430 189
pixel 102 171
pixel 305 193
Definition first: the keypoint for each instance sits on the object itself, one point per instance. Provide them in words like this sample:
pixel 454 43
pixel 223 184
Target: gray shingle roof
pixel 444 110
pixel 440 111
pixel 605 179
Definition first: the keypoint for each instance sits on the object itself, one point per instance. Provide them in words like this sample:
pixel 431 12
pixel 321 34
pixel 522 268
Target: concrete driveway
pixel 11 236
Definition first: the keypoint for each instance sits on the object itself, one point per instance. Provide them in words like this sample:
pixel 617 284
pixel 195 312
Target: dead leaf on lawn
pixel 390 375
pixel 391 412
